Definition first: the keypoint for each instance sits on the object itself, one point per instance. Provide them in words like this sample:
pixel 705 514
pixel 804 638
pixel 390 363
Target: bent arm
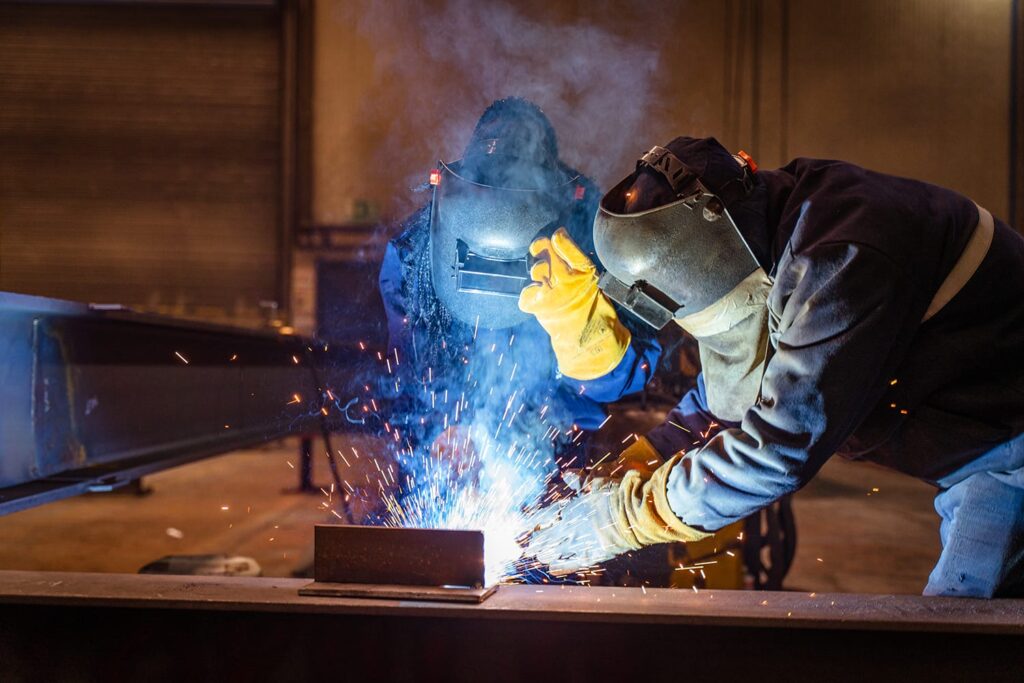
pixel 390 283
pixel 844 322
pixel 689 425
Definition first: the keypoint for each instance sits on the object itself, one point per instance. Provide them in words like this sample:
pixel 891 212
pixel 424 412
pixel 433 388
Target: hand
pixel 586 335
pixel 578 532
pixel 609 516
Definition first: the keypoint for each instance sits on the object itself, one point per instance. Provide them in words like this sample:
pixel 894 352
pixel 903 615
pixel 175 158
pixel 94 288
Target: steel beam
pixel 95 398
pixel 167 628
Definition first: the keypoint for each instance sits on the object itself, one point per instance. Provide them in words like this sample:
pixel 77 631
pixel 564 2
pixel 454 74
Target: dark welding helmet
pixel 480 233
pixel 677 258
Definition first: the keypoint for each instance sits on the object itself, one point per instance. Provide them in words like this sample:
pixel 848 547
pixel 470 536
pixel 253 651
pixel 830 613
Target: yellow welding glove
pixel 586 335
pixel 645 510
pixel 609 517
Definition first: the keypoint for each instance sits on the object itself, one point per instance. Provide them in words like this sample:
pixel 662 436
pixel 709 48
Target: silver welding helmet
pixel 675 259
pixel 480 238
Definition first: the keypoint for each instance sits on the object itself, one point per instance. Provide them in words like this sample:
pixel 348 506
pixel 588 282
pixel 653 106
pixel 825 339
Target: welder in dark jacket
pixel 837 310
pixel 467 357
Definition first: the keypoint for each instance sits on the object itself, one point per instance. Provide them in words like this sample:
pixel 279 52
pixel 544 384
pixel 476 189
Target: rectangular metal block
pixel 404 557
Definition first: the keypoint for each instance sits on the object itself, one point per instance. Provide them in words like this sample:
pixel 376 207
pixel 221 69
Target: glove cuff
pixel 659 490
pixel 646 511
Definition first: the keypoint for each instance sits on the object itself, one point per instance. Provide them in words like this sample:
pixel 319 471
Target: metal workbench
pixel 59 626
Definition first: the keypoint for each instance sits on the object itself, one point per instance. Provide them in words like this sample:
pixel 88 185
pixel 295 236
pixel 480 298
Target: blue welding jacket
pixel 444 358
pixel 857 257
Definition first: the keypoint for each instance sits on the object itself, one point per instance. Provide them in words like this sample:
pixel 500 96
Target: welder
pixel 838 311
pixel 451 282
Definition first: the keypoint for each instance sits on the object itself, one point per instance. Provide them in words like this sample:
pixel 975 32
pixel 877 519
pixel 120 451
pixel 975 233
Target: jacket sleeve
pixel 843 321
pixel 405 399
pixel 390 283
pixel 689 425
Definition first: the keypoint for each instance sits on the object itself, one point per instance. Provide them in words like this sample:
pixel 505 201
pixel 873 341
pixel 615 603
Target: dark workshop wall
pixel 919 88
pixel 141 155
pixel 1017 118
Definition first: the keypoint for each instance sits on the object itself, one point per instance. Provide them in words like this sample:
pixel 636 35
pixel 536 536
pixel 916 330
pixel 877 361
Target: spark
pixel 181 357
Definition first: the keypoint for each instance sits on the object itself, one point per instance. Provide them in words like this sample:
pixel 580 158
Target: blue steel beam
pixel 91 399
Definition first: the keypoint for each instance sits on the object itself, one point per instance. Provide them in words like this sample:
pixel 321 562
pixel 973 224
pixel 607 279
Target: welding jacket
pixel 442 359
pixel 856 258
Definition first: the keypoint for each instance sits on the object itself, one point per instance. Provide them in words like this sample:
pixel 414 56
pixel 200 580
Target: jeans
pixel 983 529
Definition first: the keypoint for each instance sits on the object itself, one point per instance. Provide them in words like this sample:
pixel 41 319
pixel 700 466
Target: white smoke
pixel 440 64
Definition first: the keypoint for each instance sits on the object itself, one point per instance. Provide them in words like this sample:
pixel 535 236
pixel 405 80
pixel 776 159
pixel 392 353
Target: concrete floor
pixel 851 538
pixel 854 539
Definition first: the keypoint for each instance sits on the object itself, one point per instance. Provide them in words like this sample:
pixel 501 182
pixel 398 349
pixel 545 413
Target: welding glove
pixel 608 517
pixel 587 337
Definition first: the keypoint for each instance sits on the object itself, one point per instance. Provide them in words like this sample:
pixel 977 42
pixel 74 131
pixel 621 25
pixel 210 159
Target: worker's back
pixel 958 386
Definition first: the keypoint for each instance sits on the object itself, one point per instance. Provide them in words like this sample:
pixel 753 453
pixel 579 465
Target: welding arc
pixel 325 432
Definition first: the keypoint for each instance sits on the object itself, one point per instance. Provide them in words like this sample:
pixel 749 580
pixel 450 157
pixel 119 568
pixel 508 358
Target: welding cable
pixel 344 411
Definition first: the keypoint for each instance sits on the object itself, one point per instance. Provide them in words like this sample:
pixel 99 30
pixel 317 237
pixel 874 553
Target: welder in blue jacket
pixel 470 365
pixel 837 310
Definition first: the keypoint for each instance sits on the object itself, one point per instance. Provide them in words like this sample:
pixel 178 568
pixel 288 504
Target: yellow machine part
pixel 715 562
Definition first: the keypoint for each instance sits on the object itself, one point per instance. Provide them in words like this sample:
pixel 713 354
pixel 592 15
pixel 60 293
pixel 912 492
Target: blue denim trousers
pixel 982 510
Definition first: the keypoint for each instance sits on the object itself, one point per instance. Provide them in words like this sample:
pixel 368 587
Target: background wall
pixel 141 156
pixel 182 157
pixel 914 87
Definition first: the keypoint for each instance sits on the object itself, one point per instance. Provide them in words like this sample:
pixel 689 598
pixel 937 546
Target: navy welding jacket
pixel 856 258
pixel 442 358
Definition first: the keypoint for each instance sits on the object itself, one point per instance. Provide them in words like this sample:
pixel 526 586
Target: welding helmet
pixel 507 189
pixel 676 259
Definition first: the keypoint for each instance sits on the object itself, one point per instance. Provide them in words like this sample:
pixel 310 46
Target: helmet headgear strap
pixel 680 177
